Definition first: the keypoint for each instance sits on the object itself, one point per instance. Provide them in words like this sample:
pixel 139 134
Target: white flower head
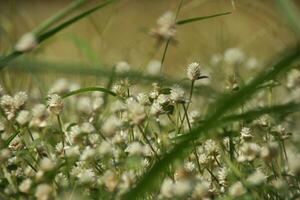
pixel 55 103
pixel 193 71
pixel 26 43
pixel 23 117
pixel 237 189
pixel 234 56
pixel 122 67
pixel 43 192
pixel 153 67
pixel 177 94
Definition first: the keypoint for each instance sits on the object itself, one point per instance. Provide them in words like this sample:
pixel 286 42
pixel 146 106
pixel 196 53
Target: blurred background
pixel 120 32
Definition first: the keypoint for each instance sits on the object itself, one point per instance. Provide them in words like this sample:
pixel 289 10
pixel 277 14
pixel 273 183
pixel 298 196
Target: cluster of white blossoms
pixel 98 146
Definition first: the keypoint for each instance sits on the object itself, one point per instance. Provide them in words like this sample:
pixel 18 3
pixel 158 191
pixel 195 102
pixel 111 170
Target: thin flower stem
pixel 148 142
pixel 62 132
pixel 194 146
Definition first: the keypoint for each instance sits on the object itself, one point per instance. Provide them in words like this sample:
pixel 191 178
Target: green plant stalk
pixel 57 17
pixel 61 132
pixel 148 142
pixel 194 146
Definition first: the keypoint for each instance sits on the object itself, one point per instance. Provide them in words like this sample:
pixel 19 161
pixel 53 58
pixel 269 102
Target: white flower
pixel 237 189
pixel 143 99
pixel 111 125
pixel 177 94
pixel 43 191
pixel 246 133
pixel 105 148
pixel 86 176
pixel 136 112
pixel 25 185
pixel 84 105
pixel 165 26
pixel 251 63
pixel 182 187
pixel 110 180
pixel 55 103
pixel 193 71
pixel 11 105
pixel 256 178
pixel 162 99
pixel 249 151
pixel 153 67
pixel 167 188
pixel 234 56
pixel 26 43
pixel 88 153
pixel 39 115
pixel 122 67
pixel 216 59
pixel 23 117
pixel 60 86
pixel 87 127
pixel 135 148
pixel 211 147
pixel 201 190
pixel 156 109
pixel 222 174
pixel 47 165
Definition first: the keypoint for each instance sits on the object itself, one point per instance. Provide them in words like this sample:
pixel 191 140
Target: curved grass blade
pixel 8 141
pixel 290 11
pixel 42 67
pixel 88 89
pixel 222 105
pixel 194 19
pixel 67 23
pixel 253 114
pixel 14 54
pixel 58 16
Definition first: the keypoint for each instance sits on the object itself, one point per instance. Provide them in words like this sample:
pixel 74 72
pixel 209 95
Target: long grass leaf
pixel 194 19
pixel 67 23
pixel 88 89
pixel 42 37
pixel 225 103
pixel 289 10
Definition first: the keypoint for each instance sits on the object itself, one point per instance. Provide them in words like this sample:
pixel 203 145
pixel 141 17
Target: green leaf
pixel 85 48
pixel 88 89
pixel 217 110
pixel 194 19
pixel 289 10
pixel 8 141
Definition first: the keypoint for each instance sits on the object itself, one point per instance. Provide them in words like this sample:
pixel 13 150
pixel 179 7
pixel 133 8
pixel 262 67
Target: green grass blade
pixel 85 48
pixel 254 114
pixel 70 68
pixel 249 115
pixel 67 23
pixel 289 10
pixel 88 89
pixel 224 104
pixel 58 16
pixel 5 60
pixel 194 19
pixel 8 141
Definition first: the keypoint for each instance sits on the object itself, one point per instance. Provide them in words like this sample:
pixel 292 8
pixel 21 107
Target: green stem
pixel 148 142
pixel 61 131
